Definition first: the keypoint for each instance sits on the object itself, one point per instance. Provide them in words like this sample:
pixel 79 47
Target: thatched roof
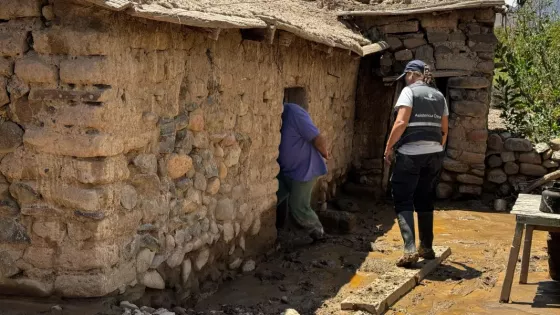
pixel 314 20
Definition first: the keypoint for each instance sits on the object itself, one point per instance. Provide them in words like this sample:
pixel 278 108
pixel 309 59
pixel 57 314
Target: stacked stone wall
pixel 142 153
pixel 459 46
pixel 513 163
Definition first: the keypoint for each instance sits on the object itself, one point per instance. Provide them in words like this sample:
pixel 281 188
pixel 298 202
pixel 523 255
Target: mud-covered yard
pixel 316 278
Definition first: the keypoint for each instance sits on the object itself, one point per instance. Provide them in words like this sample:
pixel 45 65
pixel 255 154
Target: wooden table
pixel 528 217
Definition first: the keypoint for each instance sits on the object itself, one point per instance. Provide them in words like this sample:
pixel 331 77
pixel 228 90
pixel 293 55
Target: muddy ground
pixel 316 278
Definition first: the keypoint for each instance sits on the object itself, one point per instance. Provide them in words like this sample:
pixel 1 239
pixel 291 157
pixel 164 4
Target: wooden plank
pixel 379 295
pixel 458 5
pixel 512 262
pixel 374 48
pixel 437 74
pixel 532 220
pixel 526 254
pixel 431 265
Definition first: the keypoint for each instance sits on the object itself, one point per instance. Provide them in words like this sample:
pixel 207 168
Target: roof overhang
pixel 450 6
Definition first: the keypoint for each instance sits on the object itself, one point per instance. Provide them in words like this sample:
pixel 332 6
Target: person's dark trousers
pixel 413 184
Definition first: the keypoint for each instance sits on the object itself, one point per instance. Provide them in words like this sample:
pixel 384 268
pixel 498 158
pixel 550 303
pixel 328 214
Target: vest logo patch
pixel 430 97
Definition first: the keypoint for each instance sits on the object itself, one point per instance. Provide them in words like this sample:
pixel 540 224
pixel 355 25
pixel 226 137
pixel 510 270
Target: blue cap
pixel 414 65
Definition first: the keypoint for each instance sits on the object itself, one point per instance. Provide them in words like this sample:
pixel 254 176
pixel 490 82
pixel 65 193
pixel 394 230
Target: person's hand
pixel 388 156
pixel 327 156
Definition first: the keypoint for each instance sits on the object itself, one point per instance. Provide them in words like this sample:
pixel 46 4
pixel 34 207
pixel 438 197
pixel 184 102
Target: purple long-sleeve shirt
pixel 299 159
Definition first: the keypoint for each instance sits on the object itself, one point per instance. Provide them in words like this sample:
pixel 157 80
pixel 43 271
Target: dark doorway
pixel 296 95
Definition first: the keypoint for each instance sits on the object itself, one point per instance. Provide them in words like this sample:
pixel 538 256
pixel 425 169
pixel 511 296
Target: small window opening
pixel 296 95
pixel 254 34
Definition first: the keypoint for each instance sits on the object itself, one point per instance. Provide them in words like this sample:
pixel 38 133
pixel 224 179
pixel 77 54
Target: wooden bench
pixel 528 218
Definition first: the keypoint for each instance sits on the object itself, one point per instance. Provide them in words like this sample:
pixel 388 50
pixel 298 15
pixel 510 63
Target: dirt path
pixel 314 279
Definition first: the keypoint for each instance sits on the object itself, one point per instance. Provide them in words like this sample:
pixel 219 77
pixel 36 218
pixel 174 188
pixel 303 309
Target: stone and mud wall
pixel 513 163
pixel 459 46
pixel 139 153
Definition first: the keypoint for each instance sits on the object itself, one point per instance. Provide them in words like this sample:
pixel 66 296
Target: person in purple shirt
pixel 302 153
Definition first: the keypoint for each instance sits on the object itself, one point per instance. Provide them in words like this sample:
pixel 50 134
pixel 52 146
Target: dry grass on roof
pixel 306 19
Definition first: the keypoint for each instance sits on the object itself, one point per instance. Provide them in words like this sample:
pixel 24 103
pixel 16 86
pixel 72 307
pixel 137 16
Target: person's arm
pixel 320 143
pixel 444 129
pixel 307 129
pixel 399 127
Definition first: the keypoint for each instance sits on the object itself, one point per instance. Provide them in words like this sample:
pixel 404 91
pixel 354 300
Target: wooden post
pixel 387 169
pixel 526 254
pixel 270 33
pixel 512 262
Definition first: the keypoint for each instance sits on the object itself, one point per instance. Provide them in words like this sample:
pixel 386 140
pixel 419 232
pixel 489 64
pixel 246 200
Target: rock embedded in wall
pixel 518 145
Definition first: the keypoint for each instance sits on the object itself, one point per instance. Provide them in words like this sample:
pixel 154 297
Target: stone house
pixel 138 139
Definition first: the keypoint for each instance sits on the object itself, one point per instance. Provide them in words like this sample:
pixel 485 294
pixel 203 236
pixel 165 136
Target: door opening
pixel 296 95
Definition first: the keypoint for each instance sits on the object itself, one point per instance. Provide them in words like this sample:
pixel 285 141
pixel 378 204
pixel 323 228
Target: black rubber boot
pixel 426 234
pixel 406 225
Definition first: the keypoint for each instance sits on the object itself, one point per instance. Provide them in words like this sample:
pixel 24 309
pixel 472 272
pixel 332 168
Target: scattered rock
pixel 144 260
pixel 284 299
pixel 128 305
pixel 290 311
pixel 249 266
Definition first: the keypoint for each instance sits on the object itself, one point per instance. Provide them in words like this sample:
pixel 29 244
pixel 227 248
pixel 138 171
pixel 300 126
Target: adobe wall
pixel 462 45
pixel 143 153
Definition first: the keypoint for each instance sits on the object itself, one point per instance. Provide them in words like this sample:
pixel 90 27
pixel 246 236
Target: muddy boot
pixel 406 225
pixel 426 234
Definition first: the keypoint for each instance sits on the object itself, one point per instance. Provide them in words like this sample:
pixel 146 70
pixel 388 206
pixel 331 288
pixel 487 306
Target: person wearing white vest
pixel 416 146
